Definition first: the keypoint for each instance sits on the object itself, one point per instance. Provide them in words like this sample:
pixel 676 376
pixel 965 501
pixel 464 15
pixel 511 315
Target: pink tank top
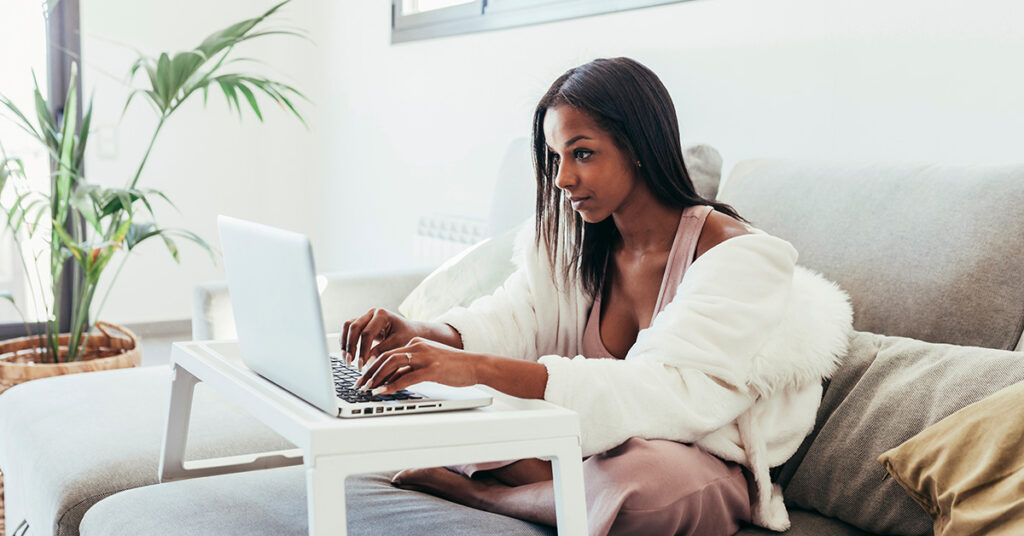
pixel 679 259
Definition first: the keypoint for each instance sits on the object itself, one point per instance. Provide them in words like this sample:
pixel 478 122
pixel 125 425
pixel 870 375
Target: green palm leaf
pixel 83 138
pixel 173 80
pixel 47 125
pixel 140 232
pixel 83 199
pixel 69 244
pixel 251 98
pixel 34 214
pixel 21 121
pixel 163 76
pixel 234 34
pixel 19 212
pixel 9 167
pixel 114 200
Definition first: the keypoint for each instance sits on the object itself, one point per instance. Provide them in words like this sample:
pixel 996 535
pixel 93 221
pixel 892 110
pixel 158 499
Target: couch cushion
pixel 274 502
pixel 475 272
pixel 806 523
pixel 70 441
pixel 928 252
pixel 704 165
pixel 886 390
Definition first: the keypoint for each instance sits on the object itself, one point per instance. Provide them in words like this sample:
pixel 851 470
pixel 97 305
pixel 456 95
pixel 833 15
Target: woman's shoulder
pixel 718 227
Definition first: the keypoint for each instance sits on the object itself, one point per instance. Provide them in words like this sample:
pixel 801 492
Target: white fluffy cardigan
pixel 734 364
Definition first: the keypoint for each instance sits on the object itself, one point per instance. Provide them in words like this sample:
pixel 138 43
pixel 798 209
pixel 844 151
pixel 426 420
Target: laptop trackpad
pixel 445 392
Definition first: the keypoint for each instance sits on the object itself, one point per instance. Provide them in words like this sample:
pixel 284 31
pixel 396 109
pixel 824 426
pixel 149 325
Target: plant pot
pixel 103 351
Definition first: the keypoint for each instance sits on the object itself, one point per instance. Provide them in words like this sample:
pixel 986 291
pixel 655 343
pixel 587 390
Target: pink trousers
pixel 655 487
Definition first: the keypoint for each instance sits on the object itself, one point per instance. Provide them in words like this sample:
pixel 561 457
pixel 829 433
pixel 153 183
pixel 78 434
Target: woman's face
pixel 592 171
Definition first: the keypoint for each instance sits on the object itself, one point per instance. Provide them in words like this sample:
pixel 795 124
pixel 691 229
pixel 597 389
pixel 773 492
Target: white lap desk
pixel 333 448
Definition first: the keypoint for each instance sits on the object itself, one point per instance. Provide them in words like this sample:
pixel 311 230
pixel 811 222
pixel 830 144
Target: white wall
pixel 402 131
pixel 420 127
pixel 206 160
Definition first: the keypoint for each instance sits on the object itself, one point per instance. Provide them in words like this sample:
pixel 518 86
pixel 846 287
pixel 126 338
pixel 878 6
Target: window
pixel 41 38
pixel 413 20
pixel 22 52
pixel 420 6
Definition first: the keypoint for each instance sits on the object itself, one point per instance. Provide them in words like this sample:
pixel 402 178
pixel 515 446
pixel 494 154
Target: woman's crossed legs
pixel 639 487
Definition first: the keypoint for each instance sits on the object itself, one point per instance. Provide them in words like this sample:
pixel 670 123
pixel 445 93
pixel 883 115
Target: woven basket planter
pixel 115 347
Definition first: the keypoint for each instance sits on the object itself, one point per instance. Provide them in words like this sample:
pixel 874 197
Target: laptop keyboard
pixel 345 377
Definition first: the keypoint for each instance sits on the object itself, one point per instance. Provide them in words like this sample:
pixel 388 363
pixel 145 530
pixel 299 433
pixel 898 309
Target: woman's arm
pixel 688 374
pixel 505 323
pixel 524 379
pixel 462 346
pixel 426 360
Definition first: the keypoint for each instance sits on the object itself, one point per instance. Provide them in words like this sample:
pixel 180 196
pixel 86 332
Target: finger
pixel 405 380
pixel 387 344
pixel 387 368
pixel 371 369
pixel 343 341
pixel 381 368
pixel 378 325
pixel 354 330
pixel 415 345
pixel 402 369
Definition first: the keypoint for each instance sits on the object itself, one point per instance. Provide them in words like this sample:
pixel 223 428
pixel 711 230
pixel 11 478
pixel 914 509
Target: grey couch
pixel 930 255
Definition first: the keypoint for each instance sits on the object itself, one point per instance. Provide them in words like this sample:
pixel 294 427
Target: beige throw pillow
pixel 967 470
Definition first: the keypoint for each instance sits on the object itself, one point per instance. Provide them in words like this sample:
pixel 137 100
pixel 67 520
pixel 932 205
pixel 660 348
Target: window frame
pixel 490 15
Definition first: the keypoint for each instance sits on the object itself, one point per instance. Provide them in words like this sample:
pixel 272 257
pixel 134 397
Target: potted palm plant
pixel 86 224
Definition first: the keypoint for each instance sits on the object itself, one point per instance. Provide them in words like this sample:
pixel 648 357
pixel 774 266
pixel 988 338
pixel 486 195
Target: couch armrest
pixel 346 295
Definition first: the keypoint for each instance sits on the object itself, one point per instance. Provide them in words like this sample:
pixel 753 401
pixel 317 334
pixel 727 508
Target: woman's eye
pixel 582 154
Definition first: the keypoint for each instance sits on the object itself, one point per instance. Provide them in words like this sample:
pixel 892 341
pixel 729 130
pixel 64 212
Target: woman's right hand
pixel 389 330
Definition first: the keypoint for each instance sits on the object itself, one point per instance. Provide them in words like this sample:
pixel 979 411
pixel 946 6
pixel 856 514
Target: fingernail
pixel 378 390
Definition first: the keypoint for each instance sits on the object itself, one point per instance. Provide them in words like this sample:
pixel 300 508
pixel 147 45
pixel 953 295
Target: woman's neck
pixel 646 225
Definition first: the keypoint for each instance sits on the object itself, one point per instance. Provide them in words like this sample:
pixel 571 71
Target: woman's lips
pixel 578 202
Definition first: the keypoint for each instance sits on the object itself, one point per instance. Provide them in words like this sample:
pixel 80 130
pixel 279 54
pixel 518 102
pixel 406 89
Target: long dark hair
pixel 627 100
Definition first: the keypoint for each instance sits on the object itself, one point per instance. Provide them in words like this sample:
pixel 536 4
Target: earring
pixel 638 164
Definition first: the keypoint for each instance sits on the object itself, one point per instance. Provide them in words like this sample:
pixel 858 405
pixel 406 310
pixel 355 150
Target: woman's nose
pixel 564 178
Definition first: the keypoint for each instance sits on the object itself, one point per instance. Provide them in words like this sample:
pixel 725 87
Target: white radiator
pixel 441 237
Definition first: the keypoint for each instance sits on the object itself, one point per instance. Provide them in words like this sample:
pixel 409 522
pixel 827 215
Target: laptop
pixel 276 303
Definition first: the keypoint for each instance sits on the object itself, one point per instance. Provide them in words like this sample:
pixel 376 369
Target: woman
pixel 699 345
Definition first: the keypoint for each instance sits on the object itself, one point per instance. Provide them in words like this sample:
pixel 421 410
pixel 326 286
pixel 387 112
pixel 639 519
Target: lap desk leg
pixel 172 456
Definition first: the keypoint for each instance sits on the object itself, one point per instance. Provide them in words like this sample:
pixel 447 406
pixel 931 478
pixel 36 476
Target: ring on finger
pixel 408 358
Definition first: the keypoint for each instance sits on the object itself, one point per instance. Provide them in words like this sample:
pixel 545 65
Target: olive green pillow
pixel 967 470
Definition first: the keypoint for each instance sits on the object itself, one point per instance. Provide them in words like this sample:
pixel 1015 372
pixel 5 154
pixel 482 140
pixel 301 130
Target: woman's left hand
pixel 419 361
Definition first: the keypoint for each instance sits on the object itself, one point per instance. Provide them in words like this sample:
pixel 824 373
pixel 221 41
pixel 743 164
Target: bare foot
pixel 528 471
pixel 443 483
